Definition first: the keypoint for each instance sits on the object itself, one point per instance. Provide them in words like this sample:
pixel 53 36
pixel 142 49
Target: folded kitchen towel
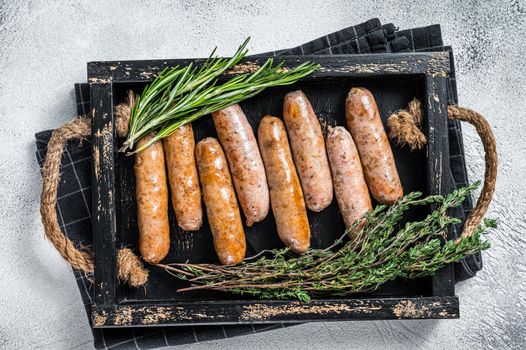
pixel 74 192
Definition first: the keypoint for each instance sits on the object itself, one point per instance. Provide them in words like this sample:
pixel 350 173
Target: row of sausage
pixel 267 172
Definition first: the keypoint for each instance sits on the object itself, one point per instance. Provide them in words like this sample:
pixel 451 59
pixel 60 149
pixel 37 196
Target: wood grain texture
pixel 432 63
pixel 260 312
pixel 438 163
pixel 103 216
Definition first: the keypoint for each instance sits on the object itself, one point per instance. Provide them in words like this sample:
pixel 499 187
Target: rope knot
pixel 123 113
pixel 131 269
pixel 404 126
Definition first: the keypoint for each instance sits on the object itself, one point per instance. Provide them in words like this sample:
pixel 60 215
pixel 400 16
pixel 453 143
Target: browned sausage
pixel 373 146
pixel 286 196
pixel 241 149
pixel 152 202
pixel 220 202
pixel 182 176
pixel 308 149
pixel 347 175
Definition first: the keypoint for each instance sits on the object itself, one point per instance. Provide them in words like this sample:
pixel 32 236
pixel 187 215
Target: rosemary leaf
pixel 181 95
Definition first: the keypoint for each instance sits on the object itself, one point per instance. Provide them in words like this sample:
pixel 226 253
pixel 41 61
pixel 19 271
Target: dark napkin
pixel 74 192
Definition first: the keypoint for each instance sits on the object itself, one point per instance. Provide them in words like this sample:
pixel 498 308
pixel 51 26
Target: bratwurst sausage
pixel 373 146
pixel 241 149
pixel 347 175
pixel 220 202
pixel 286 196
pixel 308 150
pixel 182 176
pixel 152 201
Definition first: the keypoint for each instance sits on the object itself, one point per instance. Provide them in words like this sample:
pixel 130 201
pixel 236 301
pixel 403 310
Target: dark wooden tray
pixel 394 80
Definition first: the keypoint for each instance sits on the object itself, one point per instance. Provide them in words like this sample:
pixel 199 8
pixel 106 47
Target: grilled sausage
pixel 182 176
pixel 241 149
pixel 286 196
pixel 220 202
pixel 152 202
pixel 347 175
pixel 373 146
pixel 308 149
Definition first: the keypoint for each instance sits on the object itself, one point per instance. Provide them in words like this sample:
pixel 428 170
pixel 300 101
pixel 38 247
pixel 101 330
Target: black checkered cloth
pixel 74 191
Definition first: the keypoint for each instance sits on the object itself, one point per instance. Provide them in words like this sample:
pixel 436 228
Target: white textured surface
pixel 44 47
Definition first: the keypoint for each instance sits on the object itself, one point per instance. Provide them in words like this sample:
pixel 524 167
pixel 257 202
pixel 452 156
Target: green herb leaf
pixel 181 95
pixel 380 250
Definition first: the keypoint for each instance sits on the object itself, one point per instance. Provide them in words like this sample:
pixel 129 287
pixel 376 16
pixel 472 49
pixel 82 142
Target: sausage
pixel 246 166
pixel 367 130
pixel 182 175
pixel 308 149
pixel 286 196
pixel 152 202
pixel 347 175
pixel 220 202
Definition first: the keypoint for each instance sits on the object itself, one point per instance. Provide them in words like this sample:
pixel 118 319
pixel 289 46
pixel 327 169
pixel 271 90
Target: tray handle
pixel 404 129
pixel 130 268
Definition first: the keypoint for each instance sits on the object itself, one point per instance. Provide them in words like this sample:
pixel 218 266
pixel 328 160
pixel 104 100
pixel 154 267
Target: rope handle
pixel 130 269
pixel 404 129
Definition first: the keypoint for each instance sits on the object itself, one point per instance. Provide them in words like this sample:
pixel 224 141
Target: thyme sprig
pixel 180 95
pixel 381 249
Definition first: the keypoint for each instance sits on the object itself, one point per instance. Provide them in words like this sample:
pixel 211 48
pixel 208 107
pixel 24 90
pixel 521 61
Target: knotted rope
pixel 404 129
pixel 129 267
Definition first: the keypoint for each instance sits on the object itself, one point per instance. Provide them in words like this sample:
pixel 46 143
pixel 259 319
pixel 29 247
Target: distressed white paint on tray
pixel 44 46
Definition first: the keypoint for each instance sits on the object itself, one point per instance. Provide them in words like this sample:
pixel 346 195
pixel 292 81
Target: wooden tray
pixel 394 80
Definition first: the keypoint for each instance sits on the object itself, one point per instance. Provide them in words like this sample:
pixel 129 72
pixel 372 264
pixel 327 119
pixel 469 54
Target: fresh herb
pixel 181 95
pixel 380 250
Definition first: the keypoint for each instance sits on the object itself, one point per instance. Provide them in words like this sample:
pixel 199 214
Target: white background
pixel 44 47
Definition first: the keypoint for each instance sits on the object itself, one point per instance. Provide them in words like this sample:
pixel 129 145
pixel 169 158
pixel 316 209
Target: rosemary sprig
pixel 181 95
pixel 381 249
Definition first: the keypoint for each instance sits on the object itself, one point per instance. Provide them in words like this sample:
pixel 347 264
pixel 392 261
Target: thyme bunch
pixel 380 249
